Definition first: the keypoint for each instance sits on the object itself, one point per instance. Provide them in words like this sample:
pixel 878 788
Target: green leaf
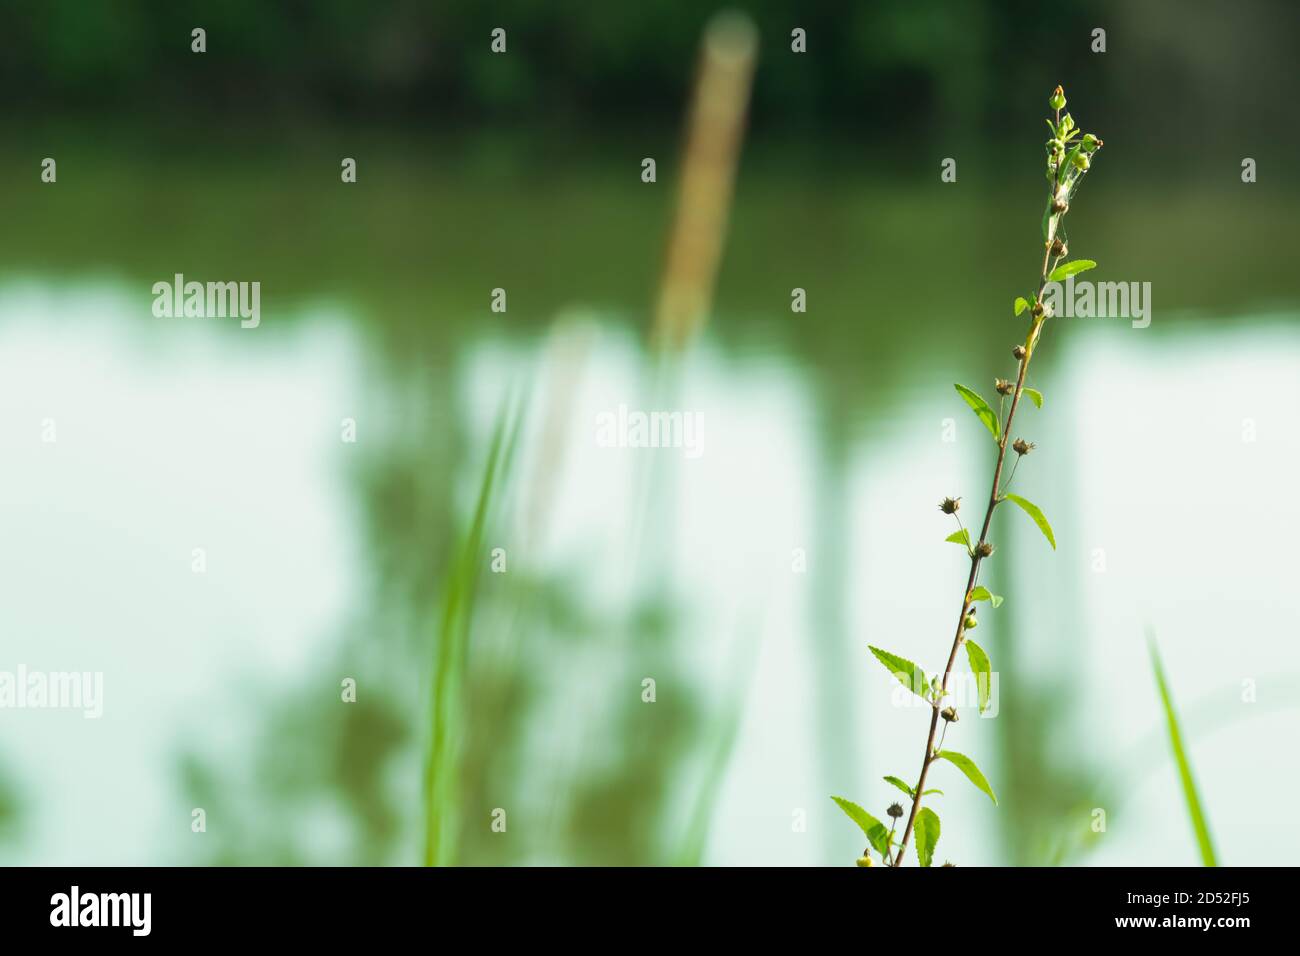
pixel 927 835
pixel 967 766
pixel 1035 396
pixel 877 834
pixel 982 669
pixel 1021 304
pixel 899 784
pixel 981 408
pixel 928 792
pixel 960 537
pixel 1036 513
pixel 908 674
pixel 1066 269
pixel 1199 826
pixel 984 594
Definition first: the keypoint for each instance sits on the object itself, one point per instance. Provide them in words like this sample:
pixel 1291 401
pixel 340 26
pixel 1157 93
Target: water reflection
pixel 761 570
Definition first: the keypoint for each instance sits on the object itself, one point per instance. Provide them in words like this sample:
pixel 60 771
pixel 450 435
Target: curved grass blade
pixel 1190 795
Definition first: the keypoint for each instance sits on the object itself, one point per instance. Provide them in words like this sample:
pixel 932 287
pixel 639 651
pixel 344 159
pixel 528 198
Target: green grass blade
pixel 446 717
pixel 1190 794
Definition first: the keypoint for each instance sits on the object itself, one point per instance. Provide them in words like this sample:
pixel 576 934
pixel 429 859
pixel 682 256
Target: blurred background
pixel 745 583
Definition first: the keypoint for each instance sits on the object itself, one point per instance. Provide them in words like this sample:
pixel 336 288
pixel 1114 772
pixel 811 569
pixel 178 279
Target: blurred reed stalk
pixel 708 172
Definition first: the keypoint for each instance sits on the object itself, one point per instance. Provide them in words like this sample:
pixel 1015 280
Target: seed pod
pixel 1003 386
pixel 949 714
pixel 865 861
pixel 984 549
pixel 1080 160
pixel 1018 352
pixel 1022 447
pixel 1059 248
pixel 896 809
pixel 1057 100
pixel 970 623
pixel 949 506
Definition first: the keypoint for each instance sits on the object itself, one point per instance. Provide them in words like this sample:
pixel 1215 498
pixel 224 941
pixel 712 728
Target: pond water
pixel 187 513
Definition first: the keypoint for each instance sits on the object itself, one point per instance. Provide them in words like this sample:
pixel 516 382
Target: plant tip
pixel 949 506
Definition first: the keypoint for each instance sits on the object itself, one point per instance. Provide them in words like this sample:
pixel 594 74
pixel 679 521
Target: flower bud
pixel 1080 160
pixel 1055 147
pixel 949 506
pixel 970 623
pixel 984 549
pixel 896 809
pixel 1003 386
pixel 1018 352
pixel 949 714
pixel 1057 100
pixel 1023 447
pixel 1090 142
pixel 865 861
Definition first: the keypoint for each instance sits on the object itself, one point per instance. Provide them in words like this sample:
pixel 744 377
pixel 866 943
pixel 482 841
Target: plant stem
pixel 1049 263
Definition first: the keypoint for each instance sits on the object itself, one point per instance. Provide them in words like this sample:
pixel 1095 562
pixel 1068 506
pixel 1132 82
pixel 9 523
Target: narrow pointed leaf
pixel 1035 396
pixel 1190 795
pixel 984 594
pixel 1066 269
pixel 927 835
pixel 972 772
pixel 1036 513
pixel 900 785
pixel 876 833
pixel 981 409
pixel 907 673
pixel 982 669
